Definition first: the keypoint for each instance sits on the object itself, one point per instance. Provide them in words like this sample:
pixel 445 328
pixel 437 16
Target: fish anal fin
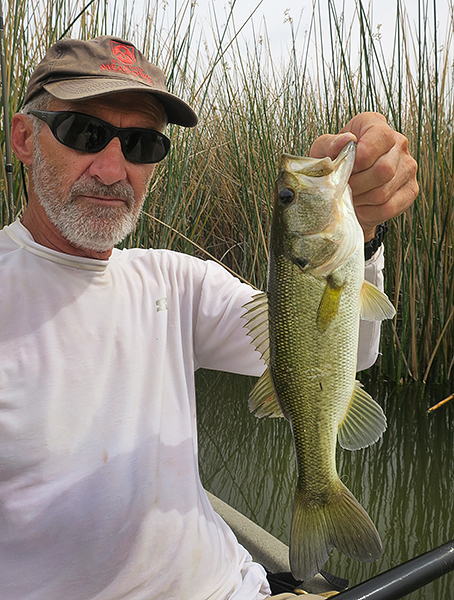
pixel 262 399
pixel 329 304
pixel 364 422
pixel 340 522
pixel 374 304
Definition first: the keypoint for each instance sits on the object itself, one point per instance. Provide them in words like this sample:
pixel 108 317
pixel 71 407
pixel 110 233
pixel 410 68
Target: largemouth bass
pixel 306 327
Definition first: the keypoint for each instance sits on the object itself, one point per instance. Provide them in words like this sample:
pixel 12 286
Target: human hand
pixel 383 179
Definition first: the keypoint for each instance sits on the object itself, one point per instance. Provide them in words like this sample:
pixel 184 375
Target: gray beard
pixel 85 225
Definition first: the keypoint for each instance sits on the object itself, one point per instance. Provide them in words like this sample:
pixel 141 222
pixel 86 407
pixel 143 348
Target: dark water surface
pixel 405 481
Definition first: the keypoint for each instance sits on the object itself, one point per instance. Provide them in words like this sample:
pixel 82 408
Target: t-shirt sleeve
pixel 221 340
pixel 369 331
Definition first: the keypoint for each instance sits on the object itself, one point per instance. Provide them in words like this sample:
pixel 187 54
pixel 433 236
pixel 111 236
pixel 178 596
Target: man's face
pixel 94 200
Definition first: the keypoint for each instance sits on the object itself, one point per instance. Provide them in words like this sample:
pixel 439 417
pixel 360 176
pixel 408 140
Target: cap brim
pixel 177 111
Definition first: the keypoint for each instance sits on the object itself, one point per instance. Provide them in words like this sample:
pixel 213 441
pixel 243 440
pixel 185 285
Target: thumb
pixel 330 145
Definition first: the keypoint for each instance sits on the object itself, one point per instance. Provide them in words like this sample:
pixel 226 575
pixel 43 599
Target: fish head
pixel 314 224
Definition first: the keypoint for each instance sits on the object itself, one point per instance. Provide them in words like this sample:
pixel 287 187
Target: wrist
pixel 372 245
pixel 369 234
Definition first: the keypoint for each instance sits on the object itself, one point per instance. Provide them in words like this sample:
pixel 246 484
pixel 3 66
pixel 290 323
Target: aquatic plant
pixel 213 194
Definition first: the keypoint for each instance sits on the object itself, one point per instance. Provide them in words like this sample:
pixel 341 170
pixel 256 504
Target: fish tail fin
pixel 339 522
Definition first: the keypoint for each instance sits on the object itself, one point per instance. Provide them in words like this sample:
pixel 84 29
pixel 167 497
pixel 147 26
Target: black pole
pixel 406 578
pixel 6 125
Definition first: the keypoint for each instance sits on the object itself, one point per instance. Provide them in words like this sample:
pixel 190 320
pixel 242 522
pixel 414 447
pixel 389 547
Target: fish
pixel 306 328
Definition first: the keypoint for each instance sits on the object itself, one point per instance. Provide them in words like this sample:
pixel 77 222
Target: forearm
pixel 369 331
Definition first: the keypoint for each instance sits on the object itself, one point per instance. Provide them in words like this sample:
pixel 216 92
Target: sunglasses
pixel 89 134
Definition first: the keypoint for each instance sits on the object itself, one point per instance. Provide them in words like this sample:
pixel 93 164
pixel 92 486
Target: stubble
pixel 85 224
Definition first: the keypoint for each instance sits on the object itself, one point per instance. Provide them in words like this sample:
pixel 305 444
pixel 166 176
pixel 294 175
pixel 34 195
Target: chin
pixel 98 234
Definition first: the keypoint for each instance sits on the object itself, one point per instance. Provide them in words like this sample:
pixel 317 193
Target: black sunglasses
pixel 89 134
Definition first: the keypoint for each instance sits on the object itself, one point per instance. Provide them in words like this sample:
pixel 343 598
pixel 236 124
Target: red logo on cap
pixel 123 53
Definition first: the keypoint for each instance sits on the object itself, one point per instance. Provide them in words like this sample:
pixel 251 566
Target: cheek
pixel 140 181
pixel 64 164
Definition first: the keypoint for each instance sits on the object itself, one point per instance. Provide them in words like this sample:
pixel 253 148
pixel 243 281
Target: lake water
pixel 404 481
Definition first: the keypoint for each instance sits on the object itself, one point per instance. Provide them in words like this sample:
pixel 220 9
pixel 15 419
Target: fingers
pixel 387 187
pixel 374 139
pixel 330 145
pixel 383 180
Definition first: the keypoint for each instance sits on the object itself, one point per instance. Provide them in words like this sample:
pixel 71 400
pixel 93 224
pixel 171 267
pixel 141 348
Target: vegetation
pixel 213 194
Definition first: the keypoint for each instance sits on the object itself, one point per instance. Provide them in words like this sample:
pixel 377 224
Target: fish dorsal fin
pixel 375 305
pixel 364 422
pixel 329 305
pixel 256 317
pixel 262 399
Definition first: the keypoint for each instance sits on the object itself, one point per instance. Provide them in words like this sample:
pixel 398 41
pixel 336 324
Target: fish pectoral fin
pixel 256 317
pixel 262 399
pixel 374 304
pixel 364 422
pixel 329 305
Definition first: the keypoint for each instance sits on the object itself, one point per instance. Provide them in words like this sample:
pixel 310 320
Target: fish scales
pixel 315 295
pixel 315 393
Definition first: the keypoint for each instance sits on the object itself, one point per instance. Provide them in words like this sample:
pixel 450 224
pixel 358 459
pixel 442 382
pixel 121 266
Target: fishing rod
pixel 6 125
pixel 405 578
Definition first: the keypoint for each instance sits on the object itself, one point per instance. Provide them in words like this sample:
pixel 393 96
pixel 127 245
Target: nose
pixel 109 165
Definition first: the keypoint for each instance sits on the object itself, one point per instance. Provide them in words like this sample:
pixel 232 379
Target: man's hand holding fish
pixel 383 180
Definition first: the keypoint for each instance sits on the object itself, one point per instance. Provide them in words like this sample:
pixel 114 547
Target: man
pixel 100 496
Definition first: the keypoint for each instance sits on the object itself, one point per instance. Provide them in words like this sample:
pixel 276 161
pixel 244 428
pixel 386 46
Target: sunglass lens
pixel 143 146
pixel 89 134
pixel 81 132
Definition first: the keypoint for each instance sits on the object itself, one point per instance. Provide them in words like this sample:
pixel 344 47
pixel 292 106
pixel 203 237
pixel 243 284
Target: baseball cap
pixel 77 70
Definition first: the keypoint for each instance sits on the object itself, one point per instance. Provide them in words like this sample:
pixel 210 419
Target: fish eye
pixel 286 196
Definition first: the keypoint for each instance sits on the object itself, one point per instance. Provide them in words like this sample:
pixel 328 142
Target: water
pixel 405 481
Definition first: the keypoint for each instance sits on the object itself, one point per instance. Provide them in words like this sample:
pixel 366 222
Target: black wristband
pixel 371 247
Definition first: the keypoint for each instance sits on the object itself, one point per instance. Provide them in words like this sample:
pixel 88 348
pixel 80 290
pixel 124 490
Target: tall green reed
pixel 213 194
pixel 413 88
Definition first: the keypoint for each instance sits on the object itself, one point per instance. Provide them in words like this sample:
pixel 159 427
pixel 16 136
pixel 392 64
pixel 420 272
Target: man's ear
pixel 22 138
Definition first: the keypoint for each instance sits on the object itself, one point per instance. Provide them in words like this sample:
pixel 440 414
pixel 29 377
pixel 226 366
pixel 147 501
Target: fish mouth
pixel 321 167
pixel 343 166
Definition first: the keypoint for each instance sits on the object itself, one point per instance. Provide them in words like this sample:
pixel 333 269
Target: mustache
pixel 90 187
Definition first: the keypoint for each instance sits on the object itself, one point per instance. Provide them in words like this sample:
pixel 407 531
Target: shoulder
pixel 7 243
pixel 165 259
pixel 172 265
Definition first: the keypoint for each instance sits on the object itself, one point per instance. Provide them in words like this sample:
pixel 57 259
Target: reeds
pixel 214 192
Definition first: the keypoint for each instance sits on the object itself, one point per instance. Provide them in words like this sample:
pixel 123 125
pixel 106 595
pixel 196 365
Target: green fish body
pixel 309 338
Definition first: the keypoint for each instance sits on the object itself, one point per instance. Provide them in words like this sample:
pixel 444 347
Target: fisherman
pixel 100 495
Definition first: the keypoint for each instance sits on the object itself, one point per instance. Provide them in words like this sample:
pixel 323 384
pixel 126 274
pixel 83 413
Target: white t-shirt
pixel 100 496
